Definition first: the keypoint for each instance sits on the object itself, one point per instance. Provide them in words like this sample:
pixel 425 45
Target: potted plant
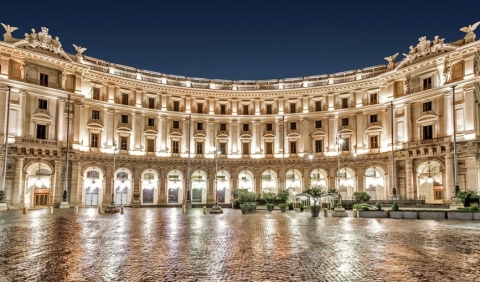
pixel 270 206
pixel 395 211
pixel 290 206
pixel 367 211
pixel 283 207
pixel 245 207
pixel 302 207
pixel 361 197
pixel 467 197
pixel 315 193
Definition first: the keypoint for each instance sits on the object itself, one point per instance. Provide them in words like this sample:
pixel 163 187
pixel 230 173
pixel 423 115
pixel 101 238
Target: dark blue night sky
pixel 246 39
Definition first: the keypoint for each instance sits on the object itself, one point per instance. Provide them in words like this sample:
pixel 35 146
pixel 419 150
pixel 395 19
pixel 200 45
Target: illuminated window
pixel 345 144
pixel 175 147
pixel 344 103
pixel 123 143
pixel 151 145
pixel 373 98
pixel 43 79
pixel 318 106
pixel 293 147
pixel 151 103
pixel 269 109
pixel 318 146
pixel 374 142
pixel 124 99
pixel 94 140
pixel 427 83
pixel 438 195
pixel 222 150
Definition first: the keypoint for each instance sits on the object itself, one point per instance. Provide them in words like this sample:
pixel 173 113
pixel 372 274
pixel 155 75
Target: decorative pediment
pixel 223 136
pixel 42 114
pixel 150 131
pixel 374 128
pixel 293 136
pixel 268 136
pixel 199 135
pixel 318 133
pixel 425 47
pixel 124 128
pixel 427 118
pixel 95 124
pixel 246 136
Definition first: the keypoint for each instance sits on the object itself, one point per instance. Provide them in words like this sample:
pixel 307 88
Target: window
pixel 199 125
pixel 41 131
pixel 95 115
pixel 245 109
pixel 222 150
pixel 293 147
pixel 318 146
pixel 200 108
pixel 427 132
pixel 124 99
pixel 42 104
pixel 151 103
pixel 427 83
pixel 374 142
pixel 176 106
pixel 123 143
pixel 94 140
pixel 345 144
pixel 223 127
pixel 269 127
pixel 43 79
pixel 176 124
pixel 96 93
pixel 427 106
pixel 151 122
pixel 245 148
pixel 293 108
pixel 373 118
pixel 268 148
pixel 124 118
pixel 223 109
pixel 344 121
pixel 269 109
pixel 373 98
pixel 438 195
pixel 318 106
pixel 199 147
pixel 245 127
pixel 399 88
pixel 150 145
pixel 344 103
pixel 318 124
pixel 293 126
pixel 175 147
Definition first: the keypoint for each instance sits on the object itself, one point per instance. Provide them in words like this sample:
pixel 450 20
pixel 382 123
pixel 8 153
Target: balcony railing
pixel 42 83
pixel 426 142
pixel 40 141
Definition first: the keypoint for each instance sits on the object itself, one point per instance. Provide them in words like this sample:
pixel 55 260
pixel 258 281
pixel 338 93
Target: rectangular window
pixel 373 118
pixel 345 144
pixel 222 150
pixel 427 132
pixel 318 146
pixel 223 109
pixel 151 145
pixel 269 126
pixel 175 147
pixel 43 79
pixel 42 104
pixel 124 118
pixel 176 106
pixel 41 131
pixel 293 126
pixel 344 121
pixel 95 115
pixel 176 124
pixel 96 93
pixel 373 98
pixel 318 106
pixel 151 122
pixel 124 143
pixel 151 103
pixel 374 142
pixel 223 127
pixel 200 108
pixel 199 147
pixel 399 88
pixel 94 140
pixel 427 106
pixel 124 99
pixel 269 109
pixel 293 147
pixel 344 103
pixel 268 148
pixel 199 125
pixel 293 108
pixel 438 194
pixel 318 124
pixel 245 109
pixel 427 83
pixel 245 127
pixel 245 148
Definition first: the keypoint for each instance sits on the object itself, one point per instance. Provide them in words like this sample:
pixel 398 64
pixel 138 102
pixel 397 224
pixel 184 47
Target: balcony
pixel 420 143
pixel 42 83
pixel 40 142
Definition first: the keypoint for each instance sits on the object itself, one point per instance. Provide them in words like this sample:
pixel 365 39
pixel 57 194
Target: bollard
pixel 121 210
pixel 183 209
pixel 75 209
pixel 204 210
pixel 24 210
pixel 50 210
pixel 355 213
pixel 100 209
pixel 325 212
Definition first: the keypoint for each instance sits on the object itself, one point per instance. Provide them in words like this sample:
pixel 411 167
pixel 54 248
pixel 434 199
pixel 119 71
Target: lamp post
pixel 3 205
pixel 112 208
pixel 64 204
pixel 339 143
pixel 394 190
pixel 216 208
pixel 455 160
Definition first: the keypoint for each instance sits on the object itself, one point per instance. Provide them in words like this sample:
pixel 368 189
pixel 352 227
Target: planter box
pixel 476 216
pixel 460 215
pixel 372 214
pixel 395 214
pixel 431 215
pixel 410 215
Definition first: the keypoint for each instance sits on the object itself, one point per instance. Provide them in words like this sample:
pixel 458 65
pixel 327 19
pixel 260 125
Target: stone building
pixel 146 138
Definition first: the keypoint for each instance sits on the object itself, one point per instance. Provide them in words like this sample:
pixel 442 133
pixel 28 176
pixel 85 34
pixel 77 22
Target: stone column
pixel 57 187
pixel 409 179
pixel 407 123
pixel 164 135
pixel 234 146
pixel 76 182
pixel 17 182
pixel 137 127
pixel 449 185
pixel 360 179
pixel 471 174
pixel 162 196
pixel 211 187
pixel 61 120
pixel 360 132
pixel 5 66
pixel 332 133
pixel 21 117
pixel 78 83
pixel 108 123
pixel 136 187
pixel 76 124
pixel 107 198
pixel 470 105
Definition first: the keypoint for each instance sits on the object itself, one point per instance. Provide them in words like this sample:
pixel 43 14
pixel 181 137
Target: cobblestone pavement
pixel 162 244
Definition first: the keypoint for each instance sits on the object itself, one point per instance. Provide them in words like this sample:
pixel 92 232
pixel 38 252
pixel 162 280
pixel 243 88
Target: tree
pixel 361 197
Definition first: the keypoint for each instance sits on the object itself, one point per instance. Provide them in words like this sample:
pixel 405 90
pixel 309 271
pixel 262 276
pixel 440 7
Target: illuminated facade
pixel 151 137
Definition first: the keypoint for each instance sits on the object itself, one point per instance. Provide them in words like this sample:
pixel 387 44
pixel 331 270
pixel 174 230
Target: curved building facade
pixel 143 138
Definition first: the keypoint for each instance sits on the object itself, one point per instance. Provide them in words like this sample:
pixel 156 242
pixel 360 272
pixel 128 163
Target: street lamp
pixel 455 160
pixel 112 208
pixel 339 143
pixel 64 204
pixel 3 205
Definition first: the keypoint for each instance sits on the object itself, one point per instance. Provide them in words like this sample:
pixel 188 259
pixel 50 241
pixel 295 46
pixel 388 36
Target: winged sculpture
pixel 9 29
pixel 470 28
pixel 79 49
pixel 390 60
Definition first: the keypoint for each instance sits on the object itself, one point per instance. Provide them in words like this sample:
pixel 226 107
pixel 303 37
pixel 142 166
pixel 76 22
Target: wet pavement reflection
pixel 163 244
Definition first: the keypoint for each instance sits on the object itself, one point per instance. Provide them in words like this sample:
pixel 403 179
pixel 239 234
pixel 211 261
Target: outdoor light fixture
pixel 374 182
pixel 38 182
pixel 429 178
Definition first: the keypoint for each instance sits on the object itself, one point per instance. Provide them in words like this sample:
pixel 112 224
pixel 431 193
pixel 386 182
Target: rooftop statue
pixel 79 49
pixel 470 28
pixel 390 60
pixel 43 40
pixel 423 48
pixel 9 29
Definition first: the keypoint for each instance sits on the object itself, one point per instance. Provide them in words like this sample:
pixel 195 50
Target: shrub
pixel 282 197
pixel 269 197
pixel 270 206
pixel 283 206
pixel 362 207
pixel 378 207
pixel 361 197
pixel 394 206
